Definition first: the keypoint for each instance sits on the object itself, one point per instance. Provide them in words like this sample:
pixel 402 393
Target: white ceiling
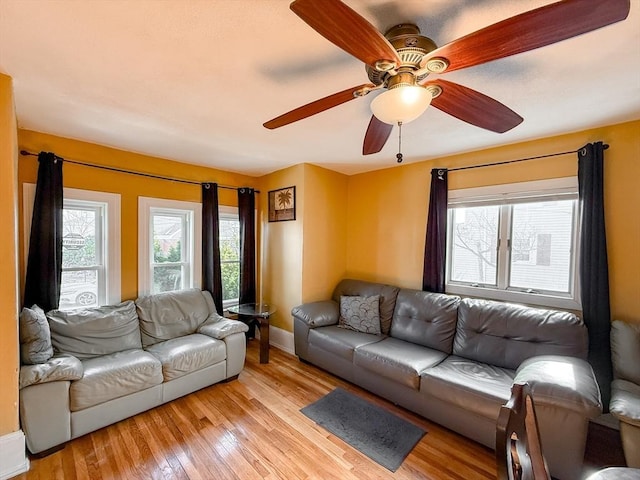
pixel 193 80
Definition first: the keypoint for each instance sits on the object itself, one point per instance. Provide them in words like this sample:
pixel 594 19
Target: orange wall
pixel 387 209
pixel 9 356
pixel 130 187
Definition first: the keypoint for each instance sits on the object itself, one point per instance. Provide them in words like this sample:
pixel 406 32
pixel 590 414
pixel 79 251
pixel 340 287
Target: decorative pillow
pixel 361 314
pixel 35 336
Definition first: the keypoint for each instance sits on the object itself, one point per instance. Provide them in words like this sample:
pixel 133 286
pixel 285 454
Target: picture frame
pixel 282 204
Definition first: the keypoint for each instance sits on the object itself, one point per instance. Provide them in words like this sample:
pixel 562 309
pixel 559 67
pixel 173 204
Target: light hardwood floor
pixel 251 428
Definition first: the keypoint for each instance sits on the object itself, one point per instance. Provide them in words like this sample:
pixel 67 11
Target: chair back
pixel 518 446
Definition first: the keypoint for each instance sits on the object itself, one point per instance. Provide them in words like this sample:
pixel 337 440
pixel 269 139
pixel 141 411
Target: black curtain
pixel 433 276
pixel 594 271
pixel 44 265
pixel 246 215
pixel 211 271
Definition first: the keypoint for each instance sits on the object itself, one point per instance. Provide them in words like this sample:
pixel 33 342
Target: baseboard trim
pixel 13 458
pixel 280 338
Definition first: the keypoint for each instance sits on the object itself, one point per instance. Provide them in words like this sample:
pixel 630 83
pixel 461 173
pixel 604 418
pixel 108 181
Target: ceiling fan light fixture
pixel 401 104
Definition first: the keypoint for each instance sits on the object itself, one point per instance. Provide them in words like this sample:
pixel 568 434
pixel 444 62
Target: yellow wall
pixel 9 356
pixel 130 187
pixel 325 232
pixel 282 264
pixel 387 209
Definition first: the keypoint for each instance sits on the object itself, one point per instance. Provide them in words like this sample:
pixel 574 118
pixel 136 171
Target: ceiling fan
pixel 401 60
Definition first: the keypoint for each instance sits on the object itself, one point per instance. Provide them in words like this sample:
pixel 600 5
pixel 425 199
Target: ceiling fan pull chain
pixel 399 155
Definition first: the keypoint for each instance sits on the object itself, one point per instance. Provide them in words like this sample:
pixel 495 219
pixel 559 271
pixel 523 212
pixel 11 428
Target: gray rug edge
pixel 385 455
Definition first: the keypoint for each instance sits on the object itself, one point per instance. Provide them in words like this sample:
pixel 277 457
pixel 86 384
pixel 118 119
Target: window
pixel 515 242
pixel 230 255
pixel 90 246
pixel 170 245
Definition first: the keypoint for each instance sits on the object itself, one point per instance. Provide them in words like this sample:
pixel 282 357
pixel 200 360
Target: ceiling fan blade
pixel 318 106
pixel 474 107
pixel 377 135
pixel 530 30
pixel 342 26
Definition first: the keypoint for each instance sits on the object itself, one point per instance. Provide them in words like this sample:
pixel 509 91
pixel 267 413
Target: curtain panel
pixel 246 215
pixel 594 270
pixel 433 277
pixel 211 266
pixel 44 264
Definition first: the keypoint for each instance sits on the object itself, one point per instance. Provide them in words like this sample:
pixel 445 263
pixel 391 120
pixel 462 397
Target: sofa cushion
pixel 35 336
pixel 340 341
pixel 426 318
pixel 397 360
pixel 168 315
pixel 114 376
pixel 473 386
pixel 625 351
pixel 187 354
pixel 625 401
pixel 387 294
pixel 93 332
pixel 506 334
pixel 361 314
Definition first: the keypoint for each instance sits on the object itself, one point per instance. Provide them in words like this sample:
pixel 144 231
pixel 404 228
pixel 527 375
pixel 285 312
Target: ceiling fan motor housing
pixel 411 48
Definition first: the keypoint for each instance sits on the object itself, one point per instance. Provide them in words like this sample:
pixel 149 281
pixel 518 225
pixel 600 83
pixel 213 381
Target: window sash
pixel 560 189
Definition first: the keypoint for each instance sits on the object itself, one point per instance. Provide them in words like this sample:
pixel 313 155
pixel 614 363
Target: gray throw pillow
pixel 361 314
pixel 35 336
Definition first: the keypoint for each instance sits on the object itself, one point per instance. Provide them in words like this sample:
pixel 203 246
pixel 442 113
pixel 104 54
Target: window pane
pixel 541 241
pixel 79 238
pixel 230 257
pixel 167 238
pixel 79 289
pixel 167 278
pixel 474 243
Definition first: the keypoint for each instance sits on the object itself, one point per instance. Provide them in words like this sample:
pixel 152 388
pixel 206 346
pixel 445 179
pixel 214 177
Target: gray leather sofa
pixel 454 361
pixel 115 361
pixel 625 388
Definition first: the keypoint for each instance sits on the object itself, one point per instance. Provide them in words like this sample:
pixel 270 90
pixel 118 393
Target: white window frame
pixel 509 194
pixel 111 234
pixel 230 213
pixel 145 250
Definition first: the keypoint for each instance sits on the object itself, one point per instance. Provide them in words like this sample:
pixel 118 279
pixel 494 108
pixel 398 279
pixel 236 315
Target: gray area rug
pixel 374 431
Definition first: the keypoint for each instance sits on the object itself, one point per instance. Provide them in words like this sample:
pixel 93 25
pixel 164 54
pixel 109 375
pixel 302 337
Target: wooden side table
pixel 259 312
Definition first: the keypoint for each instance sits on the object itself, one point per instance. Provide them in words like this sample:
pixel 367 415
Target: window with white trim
pixel 90 246
pixel 515 242
pixel 170 245
pixel 230 255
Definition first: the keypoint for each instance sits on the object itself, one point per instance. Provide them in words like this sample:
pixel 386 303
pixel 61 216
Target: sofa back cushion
pixel 426 318
pixel 97 331
pixel 387 293
pixel 168 315
pixel 625 351
pixel 506 334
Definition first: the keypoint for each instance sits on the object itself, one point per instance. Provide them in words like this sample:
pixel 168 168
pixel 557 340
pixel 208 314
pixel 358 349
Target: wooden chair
pixel 518 448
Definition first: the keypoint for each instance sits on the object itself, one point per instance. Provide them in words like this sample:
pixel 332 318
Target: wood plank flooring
pixel 251 428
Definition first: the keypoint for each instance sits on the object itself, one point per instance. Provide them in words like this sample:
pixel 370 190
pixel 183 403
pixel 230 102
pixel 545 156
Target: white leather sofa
pixel 115 361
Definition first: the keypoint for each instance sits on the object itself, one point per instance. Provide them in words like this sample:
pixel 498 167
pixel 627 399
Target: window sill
pixel 541 300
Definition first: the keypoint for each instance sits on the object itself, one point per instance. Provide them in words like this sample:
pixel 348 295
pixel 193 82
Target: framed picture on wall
pixel 282 204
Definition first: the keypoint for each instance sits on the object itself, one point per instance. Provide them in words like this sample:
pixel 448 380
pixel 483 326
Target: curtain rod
pixel 605 146
pixel 132 172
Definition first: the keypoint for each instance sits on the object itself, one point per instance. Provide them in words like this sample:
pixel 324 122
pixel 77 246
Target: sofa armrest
pixel 58 368
pixel 317 314
pixel 562 382
pixel 219 327
pixel 625 401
